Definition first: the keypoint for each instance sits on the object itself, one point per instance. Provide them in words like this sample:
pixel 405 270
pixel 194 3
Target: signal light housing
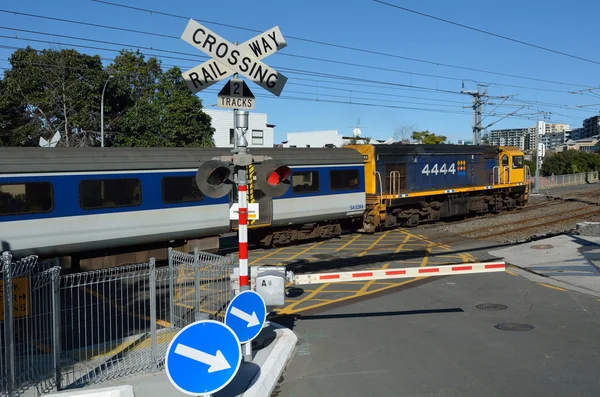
pixel 213 179
pixel 273 177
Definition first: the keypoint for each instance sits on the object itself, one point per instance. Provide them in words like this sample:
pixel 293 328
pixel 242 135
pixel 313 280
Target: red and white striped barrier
pixel 408 272
pixel 243 234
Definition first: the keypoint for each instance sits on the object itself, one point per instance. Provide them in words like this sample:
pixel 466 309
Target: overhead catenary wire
pixel 377 105
pixel 293 71
pixel 487 32
pixel 323 75
pixel 299 56
pixel 320 42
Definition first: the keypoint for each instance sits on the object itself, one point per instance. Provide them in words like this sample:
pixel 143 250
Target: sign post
pixel 246 316
pixel 213 177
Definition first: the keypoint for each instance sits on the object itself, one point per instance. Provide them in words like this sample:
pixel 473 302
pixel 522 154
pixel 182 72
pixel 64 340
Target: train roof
pixel 63 159
pixel 399 149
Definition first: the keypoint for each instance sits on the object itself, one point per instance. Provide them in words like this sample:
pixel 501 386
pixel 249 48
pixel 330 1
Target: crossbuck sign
pixel 229 58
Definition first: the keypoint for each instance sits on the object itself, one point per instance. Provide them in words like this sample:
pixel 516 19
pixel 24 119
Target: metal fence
pixel 61 332
pixel 567 179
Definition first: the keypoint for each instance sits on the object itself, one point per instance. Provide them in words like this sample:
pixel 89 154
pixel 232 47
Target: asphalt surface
pixel 432 340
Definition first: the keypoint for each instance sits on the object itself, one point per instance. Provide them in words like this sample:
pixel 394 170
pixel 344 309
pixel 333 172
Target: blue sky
pixel 430 102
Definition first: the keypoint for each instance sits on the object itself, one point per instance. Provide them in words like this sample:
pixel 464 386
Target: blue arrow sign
pixel 246 315
pixel 203 357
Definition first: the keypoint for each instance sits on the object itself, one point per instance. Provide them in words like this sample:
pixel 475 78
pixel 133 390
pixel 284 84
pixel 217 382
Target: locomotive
pixel 103 207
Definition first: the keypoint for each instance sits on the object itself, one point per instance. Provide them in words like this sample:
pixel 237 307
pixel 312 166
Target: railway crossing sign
pixel 236 95
pixel 203 357
pixel 246 315
pixel 228 58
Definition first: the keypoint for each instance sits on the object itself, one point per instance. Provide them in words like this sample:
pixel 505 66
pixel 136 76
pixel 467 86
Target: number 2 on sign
pixel 235 91
pixel 442 170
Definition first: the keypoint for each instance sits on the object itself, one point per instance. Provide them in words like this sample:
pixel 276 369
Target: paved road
pixel 432 340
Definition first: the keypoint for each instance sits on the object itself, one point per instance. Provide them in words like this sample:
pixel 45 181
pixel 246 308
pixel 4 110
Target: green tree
pixel 531 165
pixel 162 110
pixel 61 90
pixel 48 91
pixel 428 138
pixel 570 162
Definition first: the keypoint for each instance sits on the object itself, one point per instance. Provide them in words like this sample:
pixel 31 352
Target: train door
pixel 504 169
pixel 255 196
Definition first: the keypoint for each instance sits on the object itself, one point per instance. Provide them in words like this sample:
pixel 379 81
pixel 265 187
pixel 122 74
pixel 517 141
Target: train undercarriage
pixel 407 212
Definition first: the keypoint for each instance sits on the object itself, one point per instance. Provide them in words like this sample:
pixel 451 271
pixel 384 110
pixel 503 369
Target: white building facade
pixel 314 139
pixel 260 133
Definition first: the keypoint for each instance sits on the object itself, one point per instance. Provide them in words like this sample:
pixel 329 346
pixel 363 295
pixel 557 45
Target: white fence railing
pixel 568 179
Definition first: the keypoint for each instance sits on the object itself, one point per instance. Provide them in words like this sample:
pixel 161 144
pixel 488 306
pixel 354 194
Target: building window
pixel 110 193
pixel 257 137
pixel 25 198
pixel 303 182
pixel 343 180
pixel 180 189
pixel 231 136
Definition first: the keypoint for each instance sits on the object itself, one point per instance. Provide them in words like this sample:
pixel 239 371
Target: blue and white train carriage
pixel 107 202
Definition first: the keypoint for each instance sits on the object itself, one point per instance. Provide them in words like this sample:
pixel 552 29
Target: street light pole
pixel 102 112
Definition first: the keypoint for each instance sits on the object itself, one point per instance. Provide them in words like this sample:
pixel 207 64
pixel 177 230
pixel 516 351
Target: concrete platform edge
pixel 265 381
pixel 122 391
pixel 539 278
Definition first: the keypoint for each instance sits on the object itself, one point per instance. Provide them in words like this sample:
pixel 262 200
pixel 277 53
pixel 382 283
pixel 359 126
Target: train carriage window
pixel 109 193
pixel 180 189
pixel 343 180
pixel 26 198
pixel 518 161
pixel 505 161
pixel 304 182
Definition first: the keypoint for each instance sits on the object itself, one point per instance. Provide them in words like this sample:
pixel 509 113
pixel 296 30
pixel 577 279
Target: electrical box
pixel 270 285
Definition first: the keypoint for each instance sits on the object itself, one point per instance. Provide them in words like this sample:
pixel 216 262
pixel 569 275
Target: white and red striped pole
pixel 408 272
pixel 243 234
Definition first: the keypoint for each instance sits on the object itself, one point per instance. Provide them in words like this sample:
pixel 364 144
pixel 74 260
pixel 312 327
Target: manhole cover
pixel 542 247
pixel 491 306
pixel 514 327
pixel 322 256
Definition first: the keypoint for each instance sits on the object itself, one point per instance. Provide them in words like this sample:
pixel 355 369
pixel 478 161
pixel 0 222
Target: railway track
pixel 494 230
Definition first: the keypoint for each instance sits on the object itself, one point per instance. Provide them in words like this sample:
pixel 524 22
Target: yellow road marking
pixel 366 286
pixel 348 243
pixel 553 287
pixel 124 309
pixel 426 256
pixel 374 243
pixel 289 308
pixel 511 273
pixel 266 256
pixel 369 283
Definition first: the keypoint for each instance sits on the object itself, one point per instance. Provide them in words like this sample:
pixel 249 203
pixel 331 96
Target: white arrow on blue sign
pixel 246 315
pixel 203 357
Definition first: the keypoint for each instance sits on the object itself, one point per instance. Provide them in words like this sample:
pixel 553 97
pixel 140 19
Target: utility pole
pixel 478 102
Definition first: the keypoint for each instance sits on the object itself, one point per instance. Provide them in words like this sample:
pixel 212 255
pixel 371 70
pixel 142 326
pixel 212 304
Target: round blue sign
pixel 203 357
pixel 246 315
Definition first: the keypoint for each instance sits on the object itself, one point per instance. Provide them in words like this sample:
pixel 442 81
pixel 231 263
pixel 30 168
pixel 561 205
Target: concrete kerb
pixel 540 278
pixel 115 391
pixel 265 381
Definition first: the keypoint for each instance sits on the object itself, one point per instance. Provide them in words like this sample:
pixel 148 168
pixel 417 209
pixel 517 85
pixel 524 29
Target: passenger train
pixel 102 207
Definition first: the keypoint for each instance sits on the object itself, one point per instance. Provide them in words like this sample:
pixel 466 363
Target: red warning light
pixel 278 175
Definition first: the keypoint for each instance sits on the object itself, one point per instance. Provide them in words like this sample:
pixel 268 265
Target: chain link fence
pixel 60 332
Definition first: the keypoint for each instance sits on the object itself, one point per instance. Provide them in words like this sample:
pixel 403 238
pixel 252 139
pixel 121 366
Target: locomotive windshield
pixel 518 162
